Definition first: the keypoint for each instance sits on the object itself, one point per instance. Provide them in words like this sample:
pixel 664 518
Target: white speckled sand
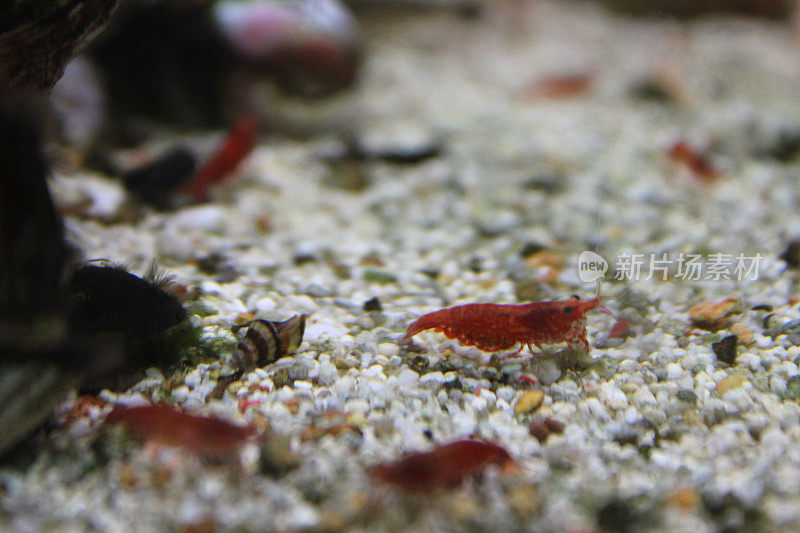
pixel 657 432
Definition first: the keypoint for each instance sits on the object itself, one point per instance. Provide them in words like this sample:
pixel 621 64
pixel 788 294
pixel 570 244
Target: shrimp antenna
pixel 597 251
pixel 597 295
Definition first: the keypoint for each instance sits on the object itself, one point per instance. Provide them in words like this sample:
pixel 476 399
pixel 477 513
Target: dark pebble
pixel 791 255
pixel 530 248
pixel 725 349
pixel 542 428
pixel 211 263
pixel 539 430
pixel 625 435
pixel 687 396
pixel 373 304
pixel 652 90
pixel 301 259
pixel 431 273
pixel 476 265
pixel 405 155
pixel 155 182
pixel 785 148
pixel 226 274
pixel 554 426
pixel 626 515
pixel 550 183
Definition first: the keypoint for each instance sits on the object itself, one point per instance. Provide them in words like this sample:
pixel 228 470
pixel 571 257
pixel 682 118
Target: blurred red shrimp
pixel 696 162
pixel 444 466
pixel 169 426
pixel 234 148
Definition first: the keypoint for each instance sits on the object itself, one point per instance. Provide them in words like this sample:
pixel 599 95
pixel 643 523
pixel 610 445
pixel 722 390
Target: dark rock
pixel 155 182
pixel 303 258
pixel 791 255
pixel 531 248
pixel 625 434
pixel 784 148
pixel 626 515
pixel 725 349
pixel 652 90
pixel 548 183
pixel 373 304
pixel 211 263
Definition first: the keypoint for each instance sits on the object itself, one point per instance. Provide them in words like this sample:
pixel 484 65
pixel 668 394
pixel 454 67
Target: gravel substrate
pixel 657 431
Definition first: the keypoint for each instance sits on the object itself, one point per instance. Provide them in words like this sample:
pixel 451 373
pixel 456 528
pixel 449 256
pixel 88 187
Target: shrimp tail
pixel 429 321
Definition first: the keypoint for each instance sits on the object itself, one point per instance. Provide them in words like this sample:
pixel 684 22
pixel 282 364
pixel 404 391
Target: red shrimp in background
pixel 234 148
pixel 444 466
pixel 171 427
pixel 620 330
pixel 499 327
pixel 561 86
pixel 697 162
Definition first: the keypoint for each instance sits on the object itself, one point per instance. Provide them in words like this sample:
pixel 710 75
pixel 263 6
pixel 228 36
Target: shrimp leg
pixel 541 351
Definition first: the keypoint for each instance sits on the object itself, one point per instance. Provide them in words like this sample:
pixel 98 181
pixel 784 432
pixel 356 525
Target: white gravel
pixel 650 440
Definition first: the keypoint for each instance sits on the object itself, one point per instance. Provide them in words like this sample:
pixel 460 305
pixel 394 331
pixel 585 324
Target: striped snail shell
pixel 265 341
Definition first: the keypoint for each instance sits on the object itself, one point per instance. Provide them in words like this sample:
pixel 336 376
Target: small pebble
pixel 643 396
pixel 743 333
pixel 712 316
pixel 543 427
pixel 433 377
pixel 528 402
pixel 729 383
pixel 315 290
pixel 778 385
pixel 388 349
